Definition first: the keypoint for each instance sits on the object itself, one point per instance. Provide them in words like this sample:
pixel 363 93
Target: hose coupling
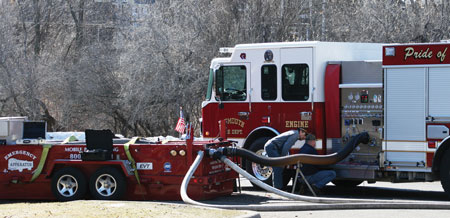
pixel 221 151
pixel 210 151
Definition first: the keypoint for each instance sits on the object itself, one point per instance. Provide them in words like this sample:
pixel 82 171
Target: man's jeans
pixel 321 178
pixel 277 174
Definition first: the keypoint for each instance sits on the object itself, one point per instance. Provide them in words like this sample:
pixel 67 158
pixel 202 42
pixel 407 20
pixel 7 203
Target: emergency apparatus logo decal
pixel 18 164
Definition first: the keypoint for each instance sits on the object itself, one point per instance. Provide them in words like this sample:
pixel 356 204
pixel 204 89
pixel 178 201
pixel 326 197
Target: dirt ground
pixel 110 209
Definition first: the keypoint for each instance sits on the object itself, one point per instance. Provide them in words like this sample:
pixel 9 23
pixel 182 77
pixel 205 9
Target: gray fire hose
pixel 321 203
pixel 293 159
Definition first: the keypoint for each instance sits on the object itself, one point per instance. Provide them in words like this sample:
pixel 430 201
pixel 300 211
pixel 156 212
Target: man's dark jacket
pixel 308 169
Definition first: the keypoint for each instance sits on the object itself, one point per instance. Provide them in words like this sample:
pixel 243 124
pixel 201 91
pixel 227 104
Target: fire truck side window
pixel 269 82
pixel 295 82
pixel 231 83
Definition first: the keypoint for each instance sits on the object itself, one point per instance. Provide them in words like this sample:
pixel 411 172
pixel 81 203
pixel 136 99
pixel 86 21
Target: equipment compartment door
pixel 405 104
pixel 439 89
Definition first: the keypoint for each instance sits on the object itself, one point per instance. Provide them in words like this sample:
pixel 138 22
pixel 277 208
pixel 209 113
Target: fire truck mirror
pixel 221 106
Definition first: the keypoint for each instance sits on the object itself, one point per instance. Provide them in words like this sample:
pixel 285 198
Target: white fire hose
pixel 321 203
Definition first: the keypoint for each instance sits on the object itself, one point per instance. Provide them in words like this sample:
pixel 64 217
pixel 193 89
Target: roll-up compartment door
pixel 405 105
pixel 439 89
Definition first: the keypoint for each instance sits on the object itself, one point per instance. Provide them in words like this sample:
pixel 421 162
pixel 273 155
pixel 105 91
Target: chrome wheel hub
pixel 261 172
pixel 67 185
pixel 105 185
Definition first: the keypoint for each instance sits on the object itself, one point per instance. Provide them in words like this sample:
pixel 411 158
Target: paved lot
pixel 359 214
pixel 430 191
pixel 380 190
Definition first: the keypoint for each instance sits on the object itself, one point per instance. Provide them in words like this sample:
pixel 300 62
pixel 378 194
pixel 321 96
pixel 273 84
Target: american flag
pixel 180 124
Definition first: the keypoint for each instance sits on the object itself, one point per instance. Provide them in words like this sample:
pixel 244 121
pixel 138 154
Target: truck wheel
pixel 346 183
pixel 263 173
pixel 68 184
pixel 445 172
pixel 107 183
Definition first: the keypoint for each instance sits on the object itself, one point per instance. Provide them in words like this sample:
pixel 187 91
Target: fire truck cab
pixel 396 93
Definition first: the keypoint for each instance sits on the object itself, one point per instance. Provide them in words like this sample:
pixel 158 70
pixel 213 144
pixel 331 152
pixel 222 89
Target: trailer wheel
pixel 107 183
pixel 445 172
pixel 263 173
pixel 68 184
pixel 346 183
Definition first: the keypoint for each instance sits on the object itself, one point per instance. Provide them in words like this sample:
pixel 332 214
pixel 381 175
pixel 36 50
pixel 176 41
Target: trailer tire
pixel 445 172
pixel 68 184
pixel 346 183
pixel 263 173
pixel 107 183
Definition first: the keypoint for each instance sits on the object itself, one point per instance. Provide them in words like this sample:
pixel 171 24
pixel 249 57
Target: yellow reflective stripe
pixel 126 147
pixel 69 139
pixel 41 164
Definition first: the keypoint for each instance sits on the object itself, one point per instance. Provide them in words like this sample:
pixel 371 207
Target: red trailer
pixel 138 170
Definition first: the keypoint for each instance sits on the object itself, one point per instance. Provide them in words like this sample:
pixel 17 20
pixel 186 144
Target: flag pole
pixel 180 134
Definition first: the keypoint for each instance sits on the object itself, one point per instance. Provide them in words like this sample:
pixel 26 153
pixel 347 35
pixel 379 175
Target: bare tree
pixel 102 64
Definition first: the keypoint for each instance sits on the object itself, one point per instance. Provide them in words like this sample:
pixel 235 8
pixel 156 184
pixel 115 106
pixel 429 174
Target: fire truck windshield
pixel 231 83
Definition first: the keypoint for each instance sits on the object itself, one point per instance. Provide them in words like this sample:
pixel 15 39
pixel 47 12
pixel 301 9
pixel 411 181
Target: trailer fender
pixel 126 168
pixel 444 146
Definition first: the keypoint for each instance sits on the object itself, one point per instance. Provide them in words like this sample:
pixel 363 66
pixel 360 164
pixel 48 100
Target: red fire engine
pixel 136 169
pixel 399 94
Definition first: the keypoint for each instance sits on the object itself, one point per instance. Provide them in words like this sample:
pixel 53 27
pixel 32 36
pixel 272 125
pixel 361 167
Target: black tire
pixel 445 172
pixel 107 183
pixel 347 183
pixel 263 173
pixel 68 184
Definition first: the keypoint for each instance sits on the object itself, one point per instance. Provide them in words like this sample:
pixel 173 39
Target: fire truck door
pixel 405 105
pixel 296 85
pixel 233 82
